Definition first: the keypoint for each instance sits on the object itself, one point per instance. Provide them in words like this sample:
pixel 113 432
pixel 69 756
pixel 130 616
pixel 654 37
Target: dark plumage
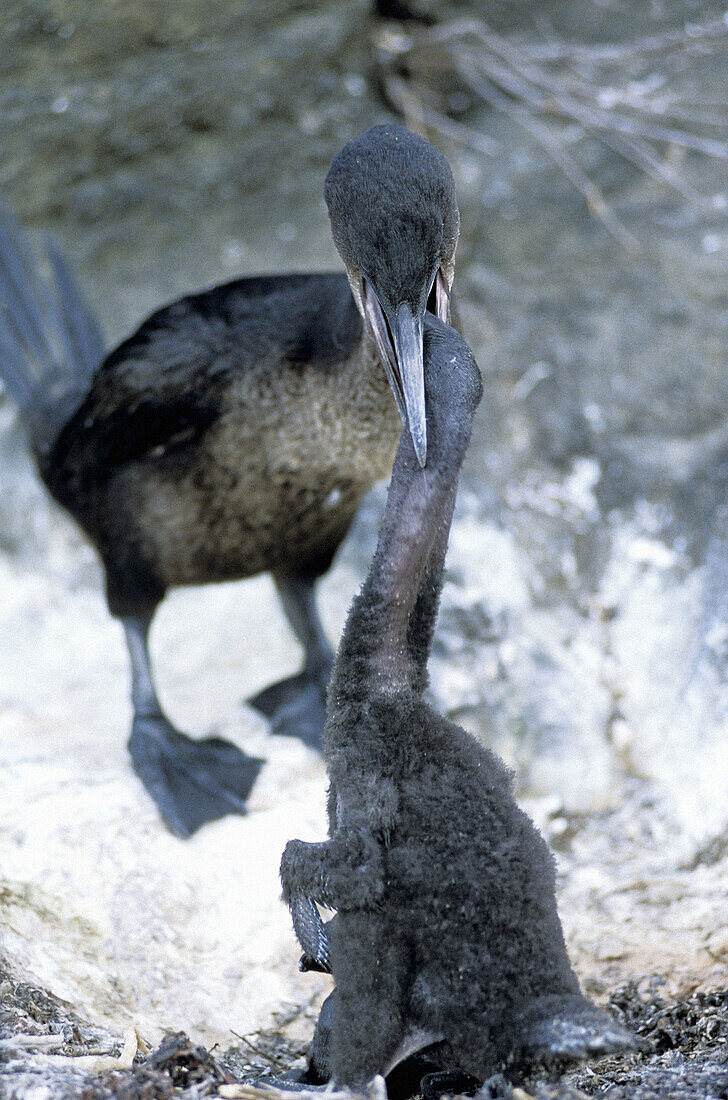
pixel 447 936
pixel 396 265
pixel 236 431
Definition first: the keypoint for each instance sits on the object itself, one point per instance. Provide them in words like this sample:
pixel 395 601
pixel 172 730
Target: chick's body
pixel 465 936
pixel 446 936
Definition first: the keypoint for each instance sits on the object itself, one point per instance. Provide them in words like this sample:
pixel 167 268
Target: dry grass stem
pixel 619 94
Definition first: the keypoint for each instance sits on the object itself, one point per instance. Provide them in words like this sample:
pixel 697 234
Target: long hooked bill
pixel 408 349
pixel 403 364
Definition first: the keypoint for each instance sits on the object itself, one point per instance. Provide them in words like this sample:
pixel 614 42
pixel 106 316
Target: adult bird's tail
pixel 50 342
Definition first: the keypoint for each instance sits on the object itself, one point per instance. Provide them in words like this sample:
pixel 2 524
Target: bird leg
pixel 299 603
pixel 345 872
pixel 296 706
pixel 192 782
pixel 143 693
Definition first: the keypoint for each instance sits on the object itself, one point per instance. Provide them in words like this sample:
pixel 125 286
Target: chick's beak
pixel 403 364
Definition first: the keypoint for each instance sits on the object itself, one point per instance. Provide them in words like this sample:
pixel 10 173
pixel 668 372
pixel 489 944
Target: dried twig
pixel 690 36
pixel 530 82
pixel 413 108
pixel 32 1042
pixel 377 1090
pixel 97 1063
pixel 597 204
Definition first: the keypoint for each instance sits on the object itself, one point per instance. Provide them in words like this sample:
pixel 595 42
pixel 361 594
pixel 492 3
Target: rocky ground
pixel 584 623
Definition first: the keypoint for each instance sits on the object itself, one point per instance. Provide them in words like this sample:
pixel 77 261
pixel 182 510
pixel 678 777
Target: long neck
pixel 387 638
pixel 422 620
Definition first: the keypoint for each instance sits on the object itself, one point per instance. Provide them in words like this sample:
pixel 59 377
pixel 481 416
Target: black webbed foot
pixel 311 934
pixel 573 1034
pixel 296 707
pixel 448 1082
pixel 192 782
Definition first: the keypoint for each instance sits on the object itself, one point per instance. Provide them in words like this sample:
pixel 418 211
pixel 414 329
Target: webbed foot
pixel 448 1082
pixel 311 934
pixel 192 782
pixel 296 707
pixel 574 1033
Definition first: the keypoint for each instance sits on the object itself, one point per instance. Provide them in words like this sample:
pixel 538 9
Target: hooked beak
pixel 407 332
pixel 403 364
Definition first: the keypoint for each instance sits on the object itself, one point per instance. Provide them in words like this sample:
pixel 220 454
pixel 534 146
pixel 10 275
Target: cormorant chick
pixel 446 936
pixel 236 432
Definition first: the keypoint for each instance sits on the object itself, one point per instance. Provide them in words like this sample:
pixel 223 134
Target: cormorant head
pixel 394 219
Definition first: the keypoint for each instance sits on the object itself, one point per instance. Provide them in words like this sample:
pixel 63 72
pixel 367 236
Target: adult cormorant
pixel 446 936
pixel 236 431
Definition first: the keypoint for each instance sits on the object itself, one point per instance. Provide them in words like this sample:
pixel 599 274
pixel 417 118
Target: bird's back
pixel 196 345
pixel 234 428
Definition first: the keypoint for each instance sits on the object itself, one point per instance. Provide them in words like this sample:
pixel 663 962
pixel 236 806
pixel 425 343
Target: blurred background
pixel 584 626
